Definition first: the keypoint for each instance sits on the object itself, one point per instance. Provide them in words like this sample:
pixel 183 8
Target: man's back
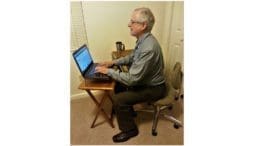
pixel 149 53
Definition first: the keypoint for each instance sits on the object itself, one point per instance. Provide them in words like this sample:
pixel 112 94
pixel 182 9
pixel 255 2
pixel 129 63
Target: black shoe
pixel 124 136
pixel 134 114
pixel 113 111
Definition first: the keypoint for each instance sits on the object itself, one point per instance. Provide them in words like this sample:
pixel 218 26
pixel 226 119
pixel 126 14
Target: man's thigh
pixel 132 97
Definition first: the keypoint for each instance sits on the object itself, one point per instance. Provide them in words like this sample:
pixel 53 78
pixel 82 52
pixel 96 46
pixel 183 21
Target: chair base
pixel 154 133
pixel 172 119
pixel 157 112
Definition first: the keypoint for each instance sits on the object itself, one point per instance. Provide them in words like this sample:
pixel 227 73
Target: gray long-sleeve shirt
pixel 146 64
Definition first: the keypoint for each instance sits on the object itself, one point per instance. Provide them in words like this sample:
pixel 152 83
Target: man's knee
pixel 116 99
pixel 119 99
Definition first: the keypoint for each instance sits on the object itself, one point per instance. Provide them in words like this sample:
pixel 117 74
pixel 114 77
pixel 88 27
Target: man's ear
pixel 144 27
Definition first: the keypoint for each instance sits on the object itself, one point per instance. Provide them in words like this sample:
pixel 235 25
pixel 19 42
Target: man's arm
pixel 125 60
pixel 138 70
pixel 103 66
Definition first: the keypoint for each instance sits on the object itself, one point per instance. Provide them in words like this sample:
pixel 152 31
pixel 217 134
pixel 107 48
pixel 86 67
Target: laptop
pixel 86 65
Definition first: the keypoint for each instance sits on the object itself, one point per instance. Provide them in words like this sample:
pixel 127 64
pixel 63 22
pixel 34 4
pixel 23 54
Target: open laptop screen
pixel 83 58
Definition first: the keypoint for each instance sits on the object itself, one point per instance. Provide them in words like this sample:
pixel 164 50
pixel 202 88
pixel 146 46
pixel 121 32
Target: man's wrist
pixel 110 71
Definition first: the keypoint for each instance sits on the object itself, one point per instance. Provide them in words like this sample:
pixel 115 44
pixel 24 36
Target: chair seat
pixel 167 100
pixel 164 101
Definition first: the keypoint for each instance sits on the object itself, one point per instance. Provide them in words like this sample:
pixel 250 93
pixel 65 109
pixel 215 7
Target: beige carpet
pixel 82 114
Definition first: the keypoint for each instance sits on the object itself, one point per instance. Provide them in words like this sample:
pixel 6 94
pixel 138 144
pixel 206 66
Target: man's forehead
pixel 135 14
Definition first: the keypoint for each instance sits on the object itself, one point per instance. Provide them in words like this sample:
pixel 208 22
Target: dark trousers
pixel 125 98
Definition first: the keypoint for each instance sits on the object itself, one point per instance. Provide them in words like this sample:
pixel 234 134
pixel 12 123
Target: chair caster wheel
pixel 154 133
pixel 176 126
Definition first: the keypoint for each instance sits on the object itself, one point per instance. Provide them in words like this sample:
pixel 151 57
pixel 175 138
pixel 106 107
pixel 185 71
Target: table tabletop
pixel 97 85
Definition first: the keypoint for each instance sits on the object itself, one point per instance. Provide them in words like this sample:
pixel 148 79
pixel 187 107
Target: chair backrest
pixel 174 80
pixel 173 85
pixel 176 76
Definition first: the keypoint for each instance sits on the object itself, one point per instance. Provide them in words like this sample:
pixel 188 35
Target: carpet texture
pixel 83 112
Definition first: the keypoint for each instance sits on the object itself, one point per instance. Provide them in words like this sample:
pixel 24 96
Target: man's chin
pixel 132 34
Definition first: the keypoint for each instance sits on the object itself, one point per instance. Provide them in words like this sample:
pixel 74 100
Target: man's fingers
pixel 97 69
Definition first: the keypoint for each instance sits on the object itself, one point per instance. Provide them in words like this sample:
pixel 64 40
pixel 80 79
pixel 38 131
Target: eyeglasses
pixel 133 22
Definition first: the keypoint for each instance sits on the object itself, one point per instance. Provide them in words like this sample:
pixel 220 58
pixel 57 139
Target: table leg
pixel 99 109
pixel 99 105
pixel 111 114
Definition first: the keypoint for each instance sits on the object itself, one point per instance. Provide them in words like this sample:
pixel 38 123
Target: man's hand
pixel 101 69
pixel 106 63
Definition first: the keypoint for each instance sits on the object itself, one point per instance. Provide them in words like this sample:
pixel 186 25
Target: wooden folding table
pixel 106 86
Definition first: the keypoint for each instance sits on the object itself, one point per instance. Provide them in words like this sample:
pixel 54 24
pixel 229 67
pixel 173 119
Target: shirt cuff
pixel 110 72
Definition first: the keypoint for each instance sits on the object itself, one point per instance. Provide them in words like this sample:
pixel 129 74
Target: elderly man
pixel 145 79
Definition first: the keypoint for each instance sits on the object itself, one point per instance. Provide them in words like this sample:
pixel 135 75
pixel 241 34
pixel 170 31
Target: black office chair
pixel 174 89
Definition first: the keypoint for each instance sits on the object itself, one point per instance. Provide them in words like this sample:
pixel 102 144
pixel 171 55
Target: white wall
pixel 106 23
pixel 174 51
pixel 78 37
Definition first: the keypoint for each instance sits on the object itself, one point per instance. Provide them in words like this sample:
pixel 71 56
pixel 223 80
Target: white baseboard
pixel 78 96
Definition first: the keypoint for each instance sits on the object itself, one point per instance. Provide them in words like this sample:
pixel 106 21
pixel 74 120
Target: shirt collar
pixel 140 40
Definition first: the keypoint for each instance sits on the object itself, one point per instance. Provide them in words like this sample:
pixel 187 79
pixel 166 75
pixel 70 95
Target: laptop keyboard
pixel 99 75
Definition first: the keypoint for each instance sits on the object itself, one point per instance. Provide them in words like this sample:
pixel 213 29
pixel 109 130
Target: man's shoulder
pixel 150 42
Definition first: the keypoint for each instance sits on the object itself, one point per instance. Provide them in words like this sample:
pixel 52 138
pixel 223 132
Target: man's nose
pixel 129 24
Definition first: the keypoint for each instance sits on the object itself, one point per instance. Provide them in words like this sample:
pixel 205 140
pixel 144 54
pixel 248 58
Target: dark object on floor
pixel 124 136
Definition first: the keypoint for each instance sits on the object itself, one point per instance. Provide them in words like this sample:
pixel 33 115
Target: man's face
pixel 136 27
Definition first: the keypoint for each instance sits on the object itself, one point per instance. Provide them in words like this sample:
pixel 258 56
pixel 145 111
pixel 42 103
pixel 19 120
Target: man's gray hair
pixel 147 16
